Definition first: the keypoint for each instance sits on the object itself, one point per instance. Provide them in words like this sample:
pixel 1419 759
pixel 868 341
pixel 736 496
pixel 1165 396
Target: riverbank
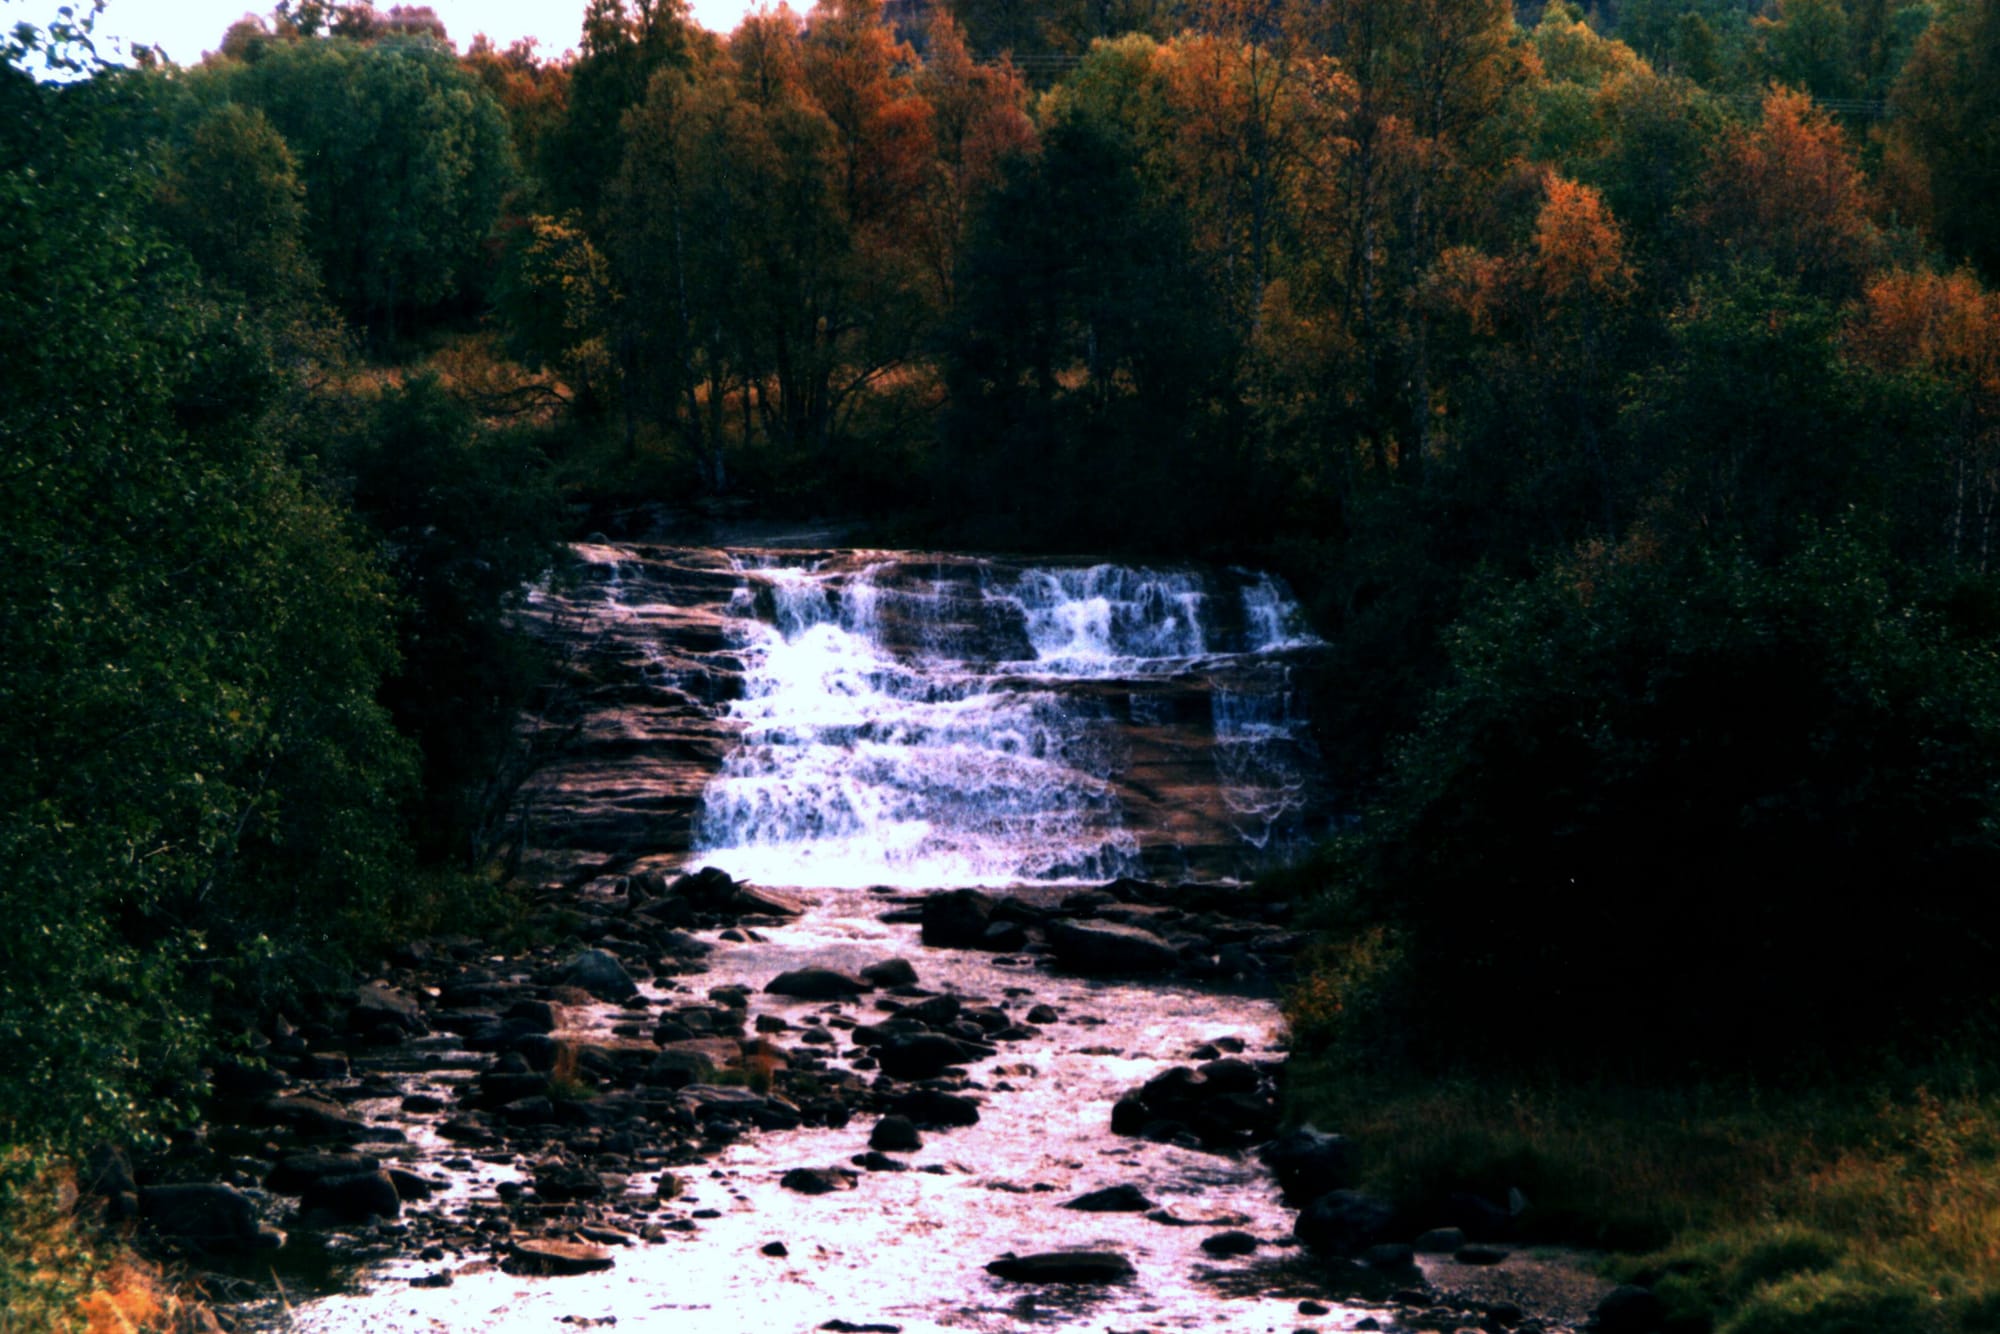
pixel 1840 1206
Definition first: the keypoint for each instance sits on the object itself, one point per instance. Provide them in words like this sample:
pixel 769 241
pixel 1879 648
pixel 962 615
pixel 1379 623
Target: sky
pixel 187 28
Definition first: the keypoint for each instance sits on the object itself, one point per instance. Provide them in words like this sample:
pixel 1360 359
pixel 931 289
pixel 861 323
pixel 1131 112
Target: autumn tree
pixel 1787 192
pixel 978 120
pixel 1945 328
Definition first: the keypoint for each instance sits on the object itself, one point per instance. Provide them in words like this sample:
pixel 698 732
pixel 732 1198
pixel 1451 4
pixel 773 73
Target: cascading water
pixel 968 724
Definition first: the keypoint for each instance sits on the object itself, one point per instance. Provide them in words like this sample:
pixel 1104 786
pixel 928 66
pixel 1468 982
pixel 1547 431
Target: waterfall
pixel 959 722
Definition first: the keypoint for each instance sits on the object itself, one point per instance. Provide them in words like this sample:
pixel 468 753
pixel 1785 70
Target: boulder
pixel 1112 1200
pixel 1630 1310
pixel 1229 1243
pixel 1441 1240
pixel 297 1171
pixel 549 1257
pixel 560 1180
pixel 1308 1163
pixel 895 1134
pixel 543 1016
pixel 316 1118
pixel 1343 1221
pixel 1063 1267
pixel 818 1180
pixel 211 1216
pixel 599 973
pixel 379 1009
pixel 891 973
pixel 817 984
pixel 921 1055
pixel 1098 948
pixel 934 1109
pixel 956 919
pixel 353 1198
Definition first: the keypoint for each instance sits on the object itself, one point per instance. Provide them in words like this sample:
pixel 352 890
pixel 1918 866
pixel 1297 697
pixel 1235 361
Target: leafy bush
pixel 1690 811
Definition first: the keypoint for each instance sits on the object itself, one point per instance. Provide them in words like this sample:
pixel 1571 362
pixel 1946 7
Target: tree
pixel 1946 330
pixel 1788 193
pixel 405 161
pixel 197 787
pixel 1947 106
pixel 233 197
pixel 625 43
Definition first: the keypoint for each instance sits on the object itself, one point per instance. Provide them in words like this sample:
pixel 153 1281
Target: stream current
pixel 894 724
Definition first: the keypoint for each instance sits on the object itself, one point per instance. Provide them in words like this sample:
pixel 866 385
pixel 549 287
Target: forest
pixel 1620 388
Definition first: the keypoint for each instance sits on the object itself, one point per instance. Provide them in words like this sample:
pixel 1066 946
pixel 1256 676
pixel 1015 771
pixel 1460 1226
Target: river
pixel 860 730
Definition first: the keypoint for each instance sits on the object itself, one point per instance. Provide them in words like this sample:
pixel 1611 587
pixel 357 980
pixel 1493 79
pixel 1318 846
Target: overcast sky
pixel 187 28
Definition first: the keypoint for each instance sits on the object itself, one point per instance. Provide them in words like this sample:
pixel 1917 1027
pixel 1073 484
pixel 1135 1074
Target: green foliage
pixel 405 160
pixel 1633 751
pixel 466 519
pixel 1948 104
pixel 195 771
pixel 1089 369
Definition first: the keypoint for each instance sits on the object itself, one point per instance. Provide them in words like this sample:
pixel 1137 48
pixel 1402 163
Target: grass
pixel 1837 1209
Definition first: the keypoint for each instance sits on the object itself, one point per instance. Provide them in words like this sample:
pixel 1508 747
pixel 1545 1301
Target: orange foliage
pixel 1579 249
pixel 1789 192
pixel 1947 325
pixel 859 76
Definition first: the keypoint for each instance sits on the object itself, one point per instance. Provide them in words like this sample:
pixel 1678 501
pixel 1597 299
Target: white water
pixel 899 735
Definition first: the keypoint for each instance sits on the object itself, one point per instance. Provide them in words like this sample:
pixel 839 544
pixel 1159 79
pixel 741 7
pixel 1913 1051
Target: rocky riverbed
pixel 1014 1058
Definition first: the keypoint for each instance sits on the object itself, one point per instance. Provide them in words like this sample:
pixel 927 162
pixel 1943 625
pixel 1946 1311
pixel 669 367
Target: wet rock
pixel 1389 1256
pixel 354 1198
pixel 208 1215
pixel 895 1134
pixel 1063 1267
pixel 921 1055
pixel 934 1109
pixel 1441 1240
pixel 1112 1200
pixel 295 1172
pixel 956 919
pixel 849 1327
pixel 1343 1221
pixel 1044 1014
pixel 543 1016
pixel 1230 1243
pixel 818 1180
pixel 1630 1310
pixel 1003 937
pixel 932 1011
pixel 891 973
pixel 556 1258
pixel 600 974
pixel 1479 1254
pixel 873 1161
pixel 562 1179
pixel 1308 1163
pixel 316 1118
pixel 817 984
pixel 775 1249
pixel 411 1188
pixel 383 1013
pixel 1100 948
